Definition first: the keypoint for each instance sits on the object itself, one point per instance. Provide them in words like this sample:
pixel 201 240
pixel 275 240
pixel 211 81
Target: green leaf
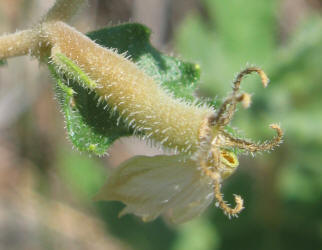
pixel 134 39
pixel 92 127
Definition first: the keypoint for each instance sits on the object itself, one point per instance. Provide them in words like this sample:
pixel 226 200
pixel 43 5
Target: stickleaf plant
pixel 112 83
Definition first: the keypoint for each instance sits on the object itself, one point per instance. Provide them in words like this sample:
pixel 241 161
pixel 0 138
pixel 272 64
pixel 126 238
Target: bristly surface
pixel 95 133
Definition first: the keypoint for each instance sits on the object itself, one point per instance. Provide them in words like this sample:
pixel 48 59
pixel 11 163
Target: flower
pixel 183 186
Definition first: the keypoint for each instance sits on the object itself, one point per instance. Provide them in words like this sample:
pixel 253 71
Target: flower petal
pixel 151 186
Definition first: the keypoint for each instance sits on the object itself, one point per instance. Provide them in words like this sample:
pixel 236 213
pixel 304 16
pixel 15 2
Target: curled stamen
pixel 228 108
pixel 219 196
pixel 247 71
pixel 253 147
pixel 224 206
pixel 226 111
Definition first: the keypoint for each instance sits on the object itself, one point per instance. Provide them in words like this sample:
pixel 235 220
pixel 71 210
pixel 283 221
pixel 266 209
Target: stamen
pixel 224 206
pixel 254 147
pixel 226 111
pixel 229 211
pixel 228 108
pixel 247 71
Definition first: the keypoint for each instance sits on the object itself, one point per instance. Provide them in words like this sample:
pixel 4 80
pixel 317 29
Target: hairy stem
pixel 145 106
pixel 30 41
pixel 17 44
pixel 63 10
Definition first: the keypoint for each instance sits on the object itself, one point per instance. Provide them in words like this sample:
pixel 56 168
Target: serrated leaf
pixel 92 127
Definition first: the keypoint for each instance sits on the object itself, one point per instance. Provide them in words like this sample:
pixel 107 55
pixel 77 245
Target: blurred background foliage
pixel 46 188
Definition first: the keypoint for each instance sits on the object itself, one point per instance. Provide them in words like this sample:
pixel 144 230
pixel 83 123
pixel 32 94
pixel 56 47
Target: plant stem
pixel 17 44
pixel 63 10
